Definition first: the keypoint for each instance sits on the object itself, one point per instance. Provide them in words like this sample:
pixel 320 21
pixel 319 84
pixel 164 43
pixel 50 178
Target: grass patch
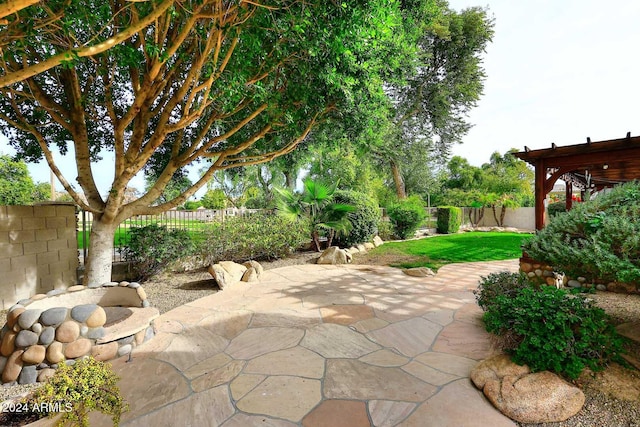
pixel 434 252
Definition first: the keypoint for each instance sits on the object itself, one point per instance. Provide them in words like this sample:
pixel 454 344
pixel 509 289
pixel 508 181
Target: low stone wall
pixel 542 273
pixel 64 325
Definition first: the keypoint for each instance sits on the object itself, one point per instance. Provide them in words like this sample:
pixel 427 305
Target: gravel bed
pixel 602 408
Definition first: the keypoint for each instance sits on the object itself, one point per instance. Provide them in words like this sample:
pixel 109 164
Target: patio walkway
pixel 314 345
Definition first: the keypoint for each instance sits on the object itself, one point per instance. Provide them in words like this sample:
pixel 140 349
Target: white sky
pixel 558 71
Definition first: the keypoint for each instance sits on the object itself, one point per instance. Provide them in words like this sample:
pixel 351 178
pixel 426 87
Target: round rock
pixel 75 288
pixel 37 328
pixel 125 349
pixel 95 333
pixel 26 338
pixel 94 286
pixel 38 297
pixel 97 318
pixel 53 316
pixel 134 285
pixel 28 318
pixel 8 343
pixel 141 293
pixel 12 316
pixel 81 313
pixel 77 348
pixel 574 284
pixel 45 374
pixel 13 367
pixel 55 352
pixel 28 375
pixel 68 331
pixel 55 292
pixel 47 335
pixel 34 355
pixel 105 351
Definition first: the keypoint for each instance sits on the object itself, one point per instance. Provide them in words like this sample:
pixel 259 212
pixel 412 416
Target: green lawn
pixel 434 252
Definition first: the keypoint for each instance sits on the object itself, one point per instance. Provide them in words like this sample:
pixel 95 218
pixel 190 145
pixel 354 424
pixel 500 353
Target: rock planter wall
pixel 542 273
pixel 64 325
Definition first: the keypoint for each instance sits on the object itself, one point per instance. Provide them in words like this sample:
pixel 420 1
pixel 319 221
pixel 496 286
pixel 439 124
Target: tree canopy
pixel 16 185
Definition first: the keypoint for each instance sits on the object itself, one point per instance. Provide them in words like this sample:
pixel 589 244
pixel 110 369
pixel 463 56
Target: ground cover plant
pixel 437 251
pixel 547 328
pixel 598 239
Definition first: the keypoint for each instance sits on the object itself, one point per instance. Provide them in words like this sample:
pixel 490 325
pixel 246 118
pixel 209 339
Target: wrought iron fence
pixel 193 222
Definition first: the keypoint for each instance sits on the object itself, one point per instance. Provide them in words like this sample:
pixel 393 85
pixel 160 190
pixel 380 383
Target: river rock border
pixel 542 273
pixel 42 331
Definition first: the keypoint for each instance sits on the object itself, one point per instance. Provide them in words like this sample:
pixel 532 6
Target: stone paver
pixel 317 346
pixel 338 413
pixel 285 397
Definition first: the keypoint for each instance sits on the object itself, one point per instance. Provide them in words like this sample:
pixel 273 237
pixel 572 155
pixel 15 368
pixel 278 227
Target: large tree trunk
pixel 397 179
pixel 290 179
pixel 98 263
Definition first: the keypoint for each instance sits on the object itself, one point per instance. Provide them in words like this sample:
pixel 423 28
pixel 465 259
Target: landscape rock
pixel 8 343
pixel 34 355
pixel 377 241
pixel 541 397
pixel 418 272
pixel 334 255
pixel 256 265
pixel 26 338
pixel 28 375
pixel 53 316
pixel 47 335
pixel 368 246
pixel 82 312
pixel 222 278
pixel 77 348
pixel 13 367
pixel 55 352
pixel 68 331
pixel 12 316
pixel 98 318
pixel 251 275
pixel 45 374
pixel 28 318
pixel 234 269
pixel 105 351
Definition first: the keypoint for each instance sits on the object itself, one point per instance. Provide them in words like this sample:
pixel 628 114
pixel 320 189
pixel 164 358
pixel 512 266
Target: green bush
pixel 191 205
pixel 551 329
pixel 555 208
pixel 385 230
pixel 406 216
pixel 257 236
pixel 364 219
pixel 504 283
pixel 152 247
pixel 449 219
pixel 87 385
pixel 214 199
pixel 597 239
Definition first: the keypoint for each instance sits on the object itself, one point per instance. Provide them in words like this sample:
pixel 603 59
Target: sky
pixel 557 71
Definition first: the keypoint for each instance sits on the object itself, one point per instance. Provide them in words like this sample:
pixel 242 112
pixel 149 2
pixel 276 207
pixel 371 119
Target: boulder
pixel 222 278
pixel 541 397
pixel 251 275
pixel 334 255
pixel 377 241
pixel 256 266
pixel 368 246
pixel 418 272
pixel 234 269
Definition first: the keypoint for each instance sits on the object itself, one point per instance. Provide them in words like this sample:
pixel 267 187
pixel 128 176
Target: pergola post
pixel 568 195
pixel 540 176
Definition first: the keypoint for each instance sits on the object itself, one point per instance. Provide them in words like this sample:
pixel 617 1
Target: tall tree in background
pixel 16 185
pixel 430 109
pixel 230 82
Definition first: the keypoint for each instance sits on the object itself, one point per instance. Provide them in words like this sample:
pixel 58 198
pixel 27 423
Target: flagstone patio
pixel 317 345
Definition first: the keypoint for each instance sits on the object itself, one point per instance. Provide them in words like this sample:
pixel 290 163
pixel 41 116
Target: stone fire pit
pixel 105 321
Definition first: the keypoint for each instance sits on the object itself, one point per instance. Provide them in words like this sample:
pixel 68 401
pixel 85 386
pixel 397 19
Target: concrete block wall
pixel 38 250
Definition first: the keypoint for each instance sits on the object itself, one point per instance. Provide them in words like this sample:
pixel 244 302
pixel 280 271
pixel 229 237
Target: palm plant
pixel 315 205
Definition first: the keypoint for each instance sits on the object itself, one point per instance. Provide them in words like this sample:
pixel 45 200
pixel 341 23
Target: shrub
pixel 555 208
pixel 191 205
pixel 257 236
pixel 504 283
pixel 214 199
pixel 449 219
pixel 87 385
pixel 550 329
pixel 364 219
pixel 597 239
pixel 385 230
pixel 406 216
pixel 152 247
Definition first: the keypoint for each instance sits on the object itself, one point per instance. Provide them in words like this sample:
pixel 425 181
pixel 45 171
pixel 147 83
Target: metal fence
pixel 192 221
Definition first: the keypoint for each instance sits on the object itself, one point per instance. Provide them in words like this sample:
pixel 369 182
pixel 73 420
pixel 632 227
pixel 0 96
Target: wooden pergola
pixel 591 166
